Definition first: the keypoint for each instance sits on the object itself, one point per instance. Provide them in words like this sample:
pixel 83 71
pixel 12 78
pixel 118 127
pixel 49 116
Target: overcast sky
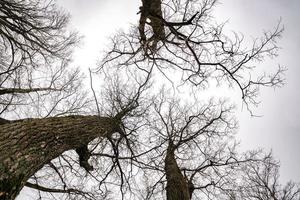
pixel 279 128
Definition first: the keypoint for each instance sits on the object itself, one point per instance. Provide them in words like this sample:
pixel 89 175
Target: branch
pixel 25 90
pixel 52 190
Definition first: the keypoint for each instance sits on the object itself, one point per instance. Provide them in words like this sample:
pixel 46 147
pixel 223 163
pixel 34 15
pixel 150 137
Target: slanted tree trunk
pixel 27 145
pixel 177 184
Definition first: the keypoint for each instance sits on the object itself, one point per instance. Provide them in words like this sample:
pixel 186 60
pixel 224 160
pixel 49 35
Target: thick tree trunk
pixel 27 145
pixel 151 10
pixel 177 184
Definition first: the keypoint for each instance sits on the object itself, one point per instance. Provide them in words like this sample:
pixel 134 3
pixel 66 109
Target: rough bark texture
pixel 27 145
pixel 151 10
pixel 177 184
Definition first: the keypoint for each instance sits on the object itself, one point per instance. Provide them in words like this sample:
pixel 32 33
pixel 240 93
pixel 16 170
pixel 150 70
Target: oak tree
pixel 132 141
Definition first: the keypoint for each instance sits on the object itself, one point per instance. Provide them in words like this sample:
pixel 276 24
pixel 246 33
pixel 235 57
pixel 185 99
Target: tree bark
pixel 177 184
pixel 27 145
pixel 151 10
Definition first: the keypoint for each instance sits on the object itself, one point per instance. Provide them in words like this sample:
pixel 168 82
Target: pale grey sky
pixel 279 128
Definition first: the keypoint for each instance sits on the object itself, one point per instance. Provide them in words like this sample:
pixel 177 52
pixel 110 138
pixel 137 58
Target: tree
pixel 262 182
pixel 144 143
pixel 33 45
pixel 35 50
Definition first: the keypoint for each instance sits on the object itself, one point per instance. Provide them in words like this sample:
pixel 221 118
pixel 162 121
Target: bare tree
pixel 196 142
pixel 35 51
pixel 183 36
pixel 261 181
pixel 133 142
pixel 196 154
pixel 28 145
pixel 35 48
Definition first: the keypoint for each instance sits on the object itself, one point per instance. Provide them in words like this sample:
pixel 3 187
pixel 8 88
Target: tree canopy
pixel 138 138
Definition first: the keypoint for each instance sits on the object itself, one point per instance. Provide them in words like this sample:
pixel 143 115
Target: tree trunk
pixel 27 145
pixel 177 184
pixel 151 10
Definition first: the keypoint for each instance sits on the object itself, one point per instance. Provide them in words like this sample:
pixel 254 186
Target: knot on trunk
pixel 84 156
